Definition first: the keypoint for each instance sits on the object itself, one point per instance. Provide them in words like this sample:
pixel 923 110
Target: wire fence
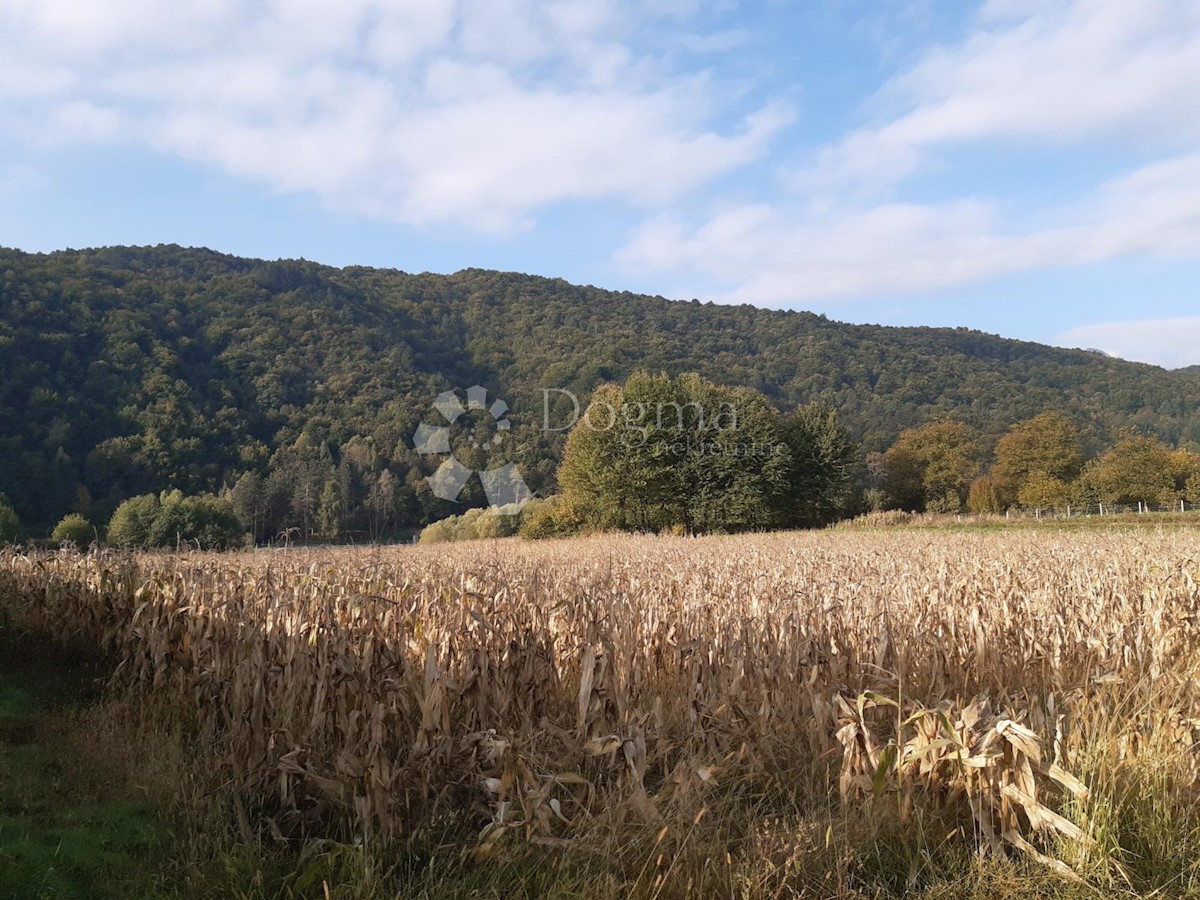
pixel 1102 509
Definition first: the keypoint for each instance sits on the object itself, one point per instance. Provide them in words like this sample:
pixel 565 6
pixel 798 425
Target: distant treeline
pixel 687 456
pixel 294 390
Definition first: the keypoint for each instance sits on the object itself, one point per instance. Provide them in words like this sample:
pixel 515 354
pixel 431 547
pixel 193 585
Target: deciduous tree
pixel 931 467
pixel 1137 469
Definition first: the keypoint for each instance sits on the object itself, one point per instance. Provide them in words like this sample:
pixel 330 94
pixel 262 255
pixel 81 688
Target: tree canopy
pixel 298 387
pixel 660 453
pixel 931 467
pixel 172 519
pixel 1137 469
pixel 1038 464
pixel 1036 458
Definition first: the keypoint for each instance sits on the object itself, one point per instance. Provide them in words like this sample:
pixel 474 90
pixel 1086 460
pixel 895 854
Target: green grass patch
pixel 66 829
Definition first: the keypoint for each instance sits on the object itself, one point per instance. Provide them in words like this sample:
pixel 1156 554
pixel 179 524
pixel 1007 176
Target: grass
pixel 103 797
pixel 100 793
pixel 67 829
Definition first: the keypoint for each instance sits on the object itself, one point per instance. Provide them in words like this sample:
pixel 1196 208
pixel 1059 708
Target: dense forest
pixel 297 388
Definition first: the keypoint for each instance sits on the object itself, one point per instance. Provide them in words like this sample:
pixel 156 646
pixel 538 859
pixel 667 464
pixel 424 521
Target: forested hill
pixel 125 370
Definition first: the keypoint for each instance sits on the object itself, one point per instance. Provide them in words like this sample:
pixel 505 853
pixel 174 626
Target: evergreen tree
pixel 330 511
pixel 248 498
pixel 383 504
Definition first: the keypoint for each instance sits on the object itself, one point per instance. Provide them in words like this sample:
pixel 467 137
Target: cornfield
pixel 563 692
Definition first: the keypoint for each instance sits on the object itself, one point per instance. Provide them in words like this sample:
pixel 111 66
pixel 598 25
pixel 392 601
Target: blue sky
pixel 1027 167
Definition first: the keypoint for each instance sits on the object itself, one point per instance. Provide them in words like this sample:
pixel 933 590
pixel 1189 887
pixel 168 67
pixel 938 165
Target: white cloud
pixel 1048 74
pixel 1040 73
pixel 781 256
pixel 463 112
pixel 1171 343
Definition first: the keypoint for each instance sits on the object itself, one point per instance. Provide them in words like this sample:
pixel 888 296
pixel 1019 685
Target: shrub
pixel 10 524
pixel 74 529
pixel 131 523
pixel 883 519
pixel 985 496
pixel 204 520
pixel 549 518
pixel 436 533
pixel 473 525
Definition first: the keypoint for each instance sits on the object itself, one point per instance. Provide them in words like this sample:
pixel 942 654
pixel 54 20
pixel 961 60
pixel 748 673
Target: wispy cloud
pixel 480 115
pixel 1171 343
pixel 462 112
pixel 780 256
pixel 1045 76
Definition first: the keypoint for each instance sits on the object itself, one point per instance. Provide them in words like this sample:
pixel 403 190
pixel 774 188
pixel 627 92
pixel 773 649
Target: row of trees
pixel 152 520
pixel 660 453
pixel 1038 463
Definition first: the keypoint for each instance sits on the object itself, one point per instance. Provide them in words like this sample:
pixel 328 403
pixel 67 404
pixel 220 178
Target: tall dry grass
pixel 828 706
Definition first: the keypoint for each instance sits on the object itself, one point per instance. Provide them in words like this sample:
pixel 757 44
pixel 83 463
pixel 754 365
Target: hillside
pixel 124 370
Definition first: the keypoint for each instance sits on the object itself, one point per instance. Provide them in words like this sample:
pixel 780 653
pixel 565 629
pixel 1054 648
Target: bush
pixel 473 525
pixel 74 529
pixel 985 495
pixel 10 524
pixel 205 520
pixel 131 523
pixel 437 533
pixel 549 518
pixel 884 519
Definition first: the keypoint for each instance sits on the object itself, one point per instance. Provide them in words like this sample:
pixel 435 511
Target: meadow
pixel 827 714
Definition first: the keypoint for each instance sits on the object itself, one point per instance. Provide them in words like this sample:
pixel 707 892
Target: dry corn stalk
pixel 554 689
pixel 992 761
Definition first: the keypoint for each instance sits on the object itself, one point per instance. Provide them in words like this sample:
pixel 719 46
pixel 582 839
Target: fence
pixel 1102 509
